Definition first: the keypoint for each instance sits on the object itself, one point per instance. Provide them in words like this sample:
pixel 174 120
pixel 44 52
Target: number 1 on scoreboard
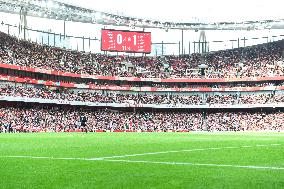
pixel 134 39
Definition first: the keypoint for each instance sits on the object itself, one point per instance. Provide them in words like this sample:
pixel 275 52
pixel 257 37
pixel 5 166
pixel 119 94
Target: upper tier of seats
pixel 255 61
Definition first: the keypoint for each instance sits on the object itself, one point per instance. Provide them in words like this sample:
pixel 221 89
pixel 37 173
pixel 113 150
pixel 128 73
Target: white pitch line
pixel 176 151
pixel 155 153
pixel 231 147
pixel 151 162
pixel 215 148
pixel 197 164
pixel 275 144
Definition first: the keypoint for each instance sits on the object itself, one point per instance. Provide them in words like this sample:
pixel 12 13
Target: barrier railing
pixel 137 89
pixel 133 105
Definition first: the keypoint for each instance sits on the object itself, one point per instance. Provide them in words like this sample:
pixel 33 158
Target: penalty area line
pixel 142 154
pixel 189 150
pixel 151 162
pixel 196 164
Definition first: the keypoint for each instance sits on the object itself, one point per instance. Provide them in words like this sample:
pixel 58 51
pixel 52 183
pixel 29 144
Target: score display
pixel 126 41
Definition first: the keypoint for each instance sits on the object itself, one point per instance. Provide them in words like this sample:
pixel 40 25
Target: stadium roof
pixel 70 12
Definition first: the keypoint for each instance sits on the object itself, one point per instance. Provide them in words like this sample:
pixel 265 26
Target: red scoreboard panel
pixel 126 41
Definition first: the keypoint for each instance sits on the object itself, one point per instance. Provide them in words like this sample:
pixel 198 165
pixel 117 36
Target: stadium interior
pixel 239 79
pixel 47 87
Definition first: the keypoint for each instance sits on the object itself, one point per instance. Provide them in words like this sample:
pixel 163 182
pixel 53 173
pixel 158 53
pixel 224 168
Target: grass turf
pixel 60 173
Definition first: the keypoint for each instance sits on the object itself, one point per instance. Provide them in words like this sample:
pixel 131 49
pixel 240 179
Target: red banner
pixel 136 89
pixel 158 80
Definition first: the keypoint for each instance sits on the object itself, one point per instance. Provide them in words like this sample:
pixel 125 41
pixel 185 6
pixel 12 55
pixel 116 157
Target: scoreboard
pixel 126 41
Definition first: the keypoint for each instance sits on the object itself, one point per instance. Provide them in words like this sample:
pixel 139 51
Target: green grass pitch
pixel 142 160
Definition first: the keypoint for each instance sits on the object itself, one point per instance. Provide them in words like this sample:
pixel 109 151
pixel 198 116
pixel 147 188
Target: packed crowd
pixel 55 119
pixel 92 96
pixel 243 121
pixel 136 98
pixel 256 61
pixel 242 99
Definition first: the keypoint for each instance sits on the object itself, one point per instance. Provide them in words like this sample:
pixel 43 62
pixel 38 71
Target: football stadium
pixel 141 94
